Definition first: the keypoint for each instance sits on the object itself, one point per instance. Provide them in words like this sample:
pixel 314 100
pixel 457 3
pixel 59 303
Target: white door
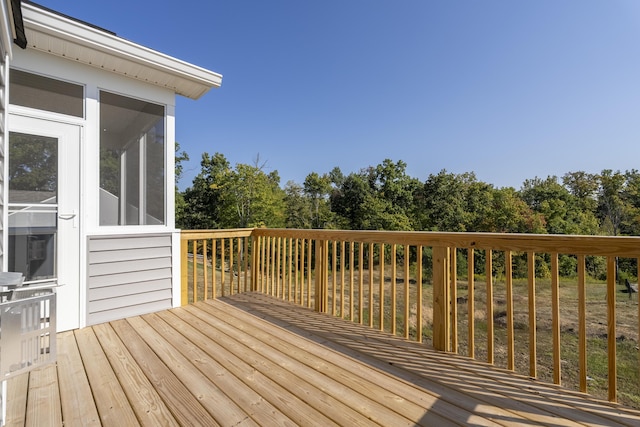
pixel 43 208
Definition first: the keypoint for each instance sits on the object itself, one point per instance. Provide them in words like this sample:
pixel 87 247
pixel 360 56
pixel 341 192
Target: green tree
pixel 478 202
pixel 297 206
pixel 181 205
pixel 204 199
pixel 584 187
pixel 562 211
pixel 376 198
pixel 510 214
pixel 443 199
pixel 252 198
pixel 611 205
pixel 33 164
pixel 318 188
pixel 631 196
pixel 336 177
pixel 396 192
pixel 348 200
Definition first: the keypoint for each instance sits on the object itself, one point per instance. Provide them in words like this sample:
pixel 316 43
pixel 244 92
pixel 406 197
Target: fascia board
pixel 92 41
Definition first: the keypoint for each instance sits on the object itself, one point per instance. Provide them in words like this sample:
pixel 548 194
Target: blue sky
pixel 507 89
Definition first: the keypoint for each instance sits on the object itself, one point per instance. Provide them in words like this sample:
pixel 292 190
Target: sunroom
pixel 87 194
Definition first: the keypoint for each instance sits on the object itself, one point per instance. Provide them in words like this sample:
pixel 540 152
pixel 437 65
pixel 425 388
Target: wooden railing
pixel 429 286
pixel 214 263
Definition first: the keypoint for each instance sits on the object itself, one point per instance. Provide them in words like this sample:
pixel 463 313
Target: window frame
pixel 83 98
pixel 141 166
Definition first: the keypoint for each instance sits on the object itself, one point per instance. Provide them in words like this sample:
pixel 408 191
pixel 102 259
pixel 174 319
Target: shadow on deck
pixel 250 359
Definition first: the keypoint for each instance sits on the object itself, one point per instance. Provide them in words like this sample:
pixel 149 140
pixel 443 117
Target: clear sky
pixel 507 89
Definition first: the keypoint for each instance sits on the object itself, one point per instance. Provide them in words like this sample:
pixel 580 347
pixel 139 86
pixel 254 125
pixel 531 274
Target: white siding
pixel 4 100
pixel 128 276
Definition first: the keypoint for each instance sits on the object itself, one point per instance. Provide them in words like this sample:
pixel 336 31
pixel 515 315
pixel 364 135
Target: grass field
pixel 628 357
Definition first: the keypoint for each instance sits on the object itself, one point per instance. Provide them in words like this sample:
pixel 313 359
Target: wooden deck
pixel 253 360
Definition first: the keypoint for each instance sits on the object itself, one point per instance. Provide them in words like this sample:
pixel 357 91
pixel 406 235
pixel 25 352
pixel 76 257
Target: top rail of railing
pixel 621 246
pixel 220 234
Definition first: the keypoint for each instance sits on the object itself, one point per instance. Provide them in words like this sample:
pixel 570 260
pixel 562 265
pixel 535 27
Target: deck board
pixel 379 389
pixel 145 401
pixel 329 397
pixel 397 393
pixel 260 409
pixel 457 379
pixel 110 399
pixel 213 400
pixel 185 406
pixel 78 404
pixel 43 402
pixel 17 392
pixel 294 398
pixel 250 359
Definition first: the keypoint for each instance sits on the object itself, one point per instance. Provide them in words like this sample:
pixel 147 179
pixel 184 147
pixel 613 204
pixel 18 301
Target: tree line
pixel 384 197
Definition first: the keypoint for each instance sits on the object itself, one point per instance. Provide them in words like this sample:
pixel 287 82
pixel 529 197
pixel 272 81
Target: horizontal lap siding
pixel 128 276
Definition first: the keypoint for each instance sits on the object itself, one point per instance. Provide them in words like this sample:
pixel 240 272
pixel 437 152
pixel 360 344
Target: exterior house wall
pixel 120 270
pixel 128 275
pixel 137 296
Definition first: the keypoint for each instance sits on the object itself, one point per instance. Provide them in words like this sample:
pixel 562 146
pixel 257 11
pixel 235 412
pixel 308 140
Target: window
pixel 132 161
pixel 33 198
pixel 44 93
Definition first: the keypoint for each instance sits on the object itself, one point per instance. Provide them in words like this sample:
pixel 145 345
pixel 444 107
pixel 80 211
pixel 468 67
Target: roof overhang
pixel 77 41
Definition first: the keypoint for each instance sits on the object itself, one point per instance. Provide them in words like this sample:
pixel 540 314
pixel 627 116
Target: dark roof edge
pixel 18 24
pixel 69 17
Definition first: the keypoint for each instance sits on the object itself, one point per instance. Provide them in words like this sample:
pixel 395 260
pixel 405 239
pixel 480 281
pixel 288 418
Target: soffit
pixel 77 41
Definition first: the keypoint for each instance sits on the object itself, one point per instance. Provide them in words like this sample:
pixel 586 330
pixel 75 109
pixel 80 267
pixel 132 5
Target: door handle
pixel 69 216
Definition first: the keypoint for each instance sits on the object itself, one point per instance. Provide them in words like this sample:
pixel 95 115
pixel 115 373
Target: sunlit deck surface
pixel 250 359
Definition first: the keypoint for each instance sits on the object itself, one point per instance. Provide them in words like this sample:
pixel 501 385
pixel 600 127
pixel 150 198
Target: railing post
pixel 254 263
pixel 319 262
pixel 611 328
pixel 184 271
pixel 441 303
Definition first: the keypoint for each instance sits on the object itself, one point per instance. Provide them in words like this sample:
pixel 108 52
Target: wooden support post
pixel 441 303
pixel 194 273
pixel 611 328
pixel 419 296
pixel 184 271
pixel 489 279
pixel 582 322
pixel 511 344
pixel 453 296
pixel 255 251
pixel 555 319
pixel 533 355
pixel 319 262
pixel 325 276
pixel 471 343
